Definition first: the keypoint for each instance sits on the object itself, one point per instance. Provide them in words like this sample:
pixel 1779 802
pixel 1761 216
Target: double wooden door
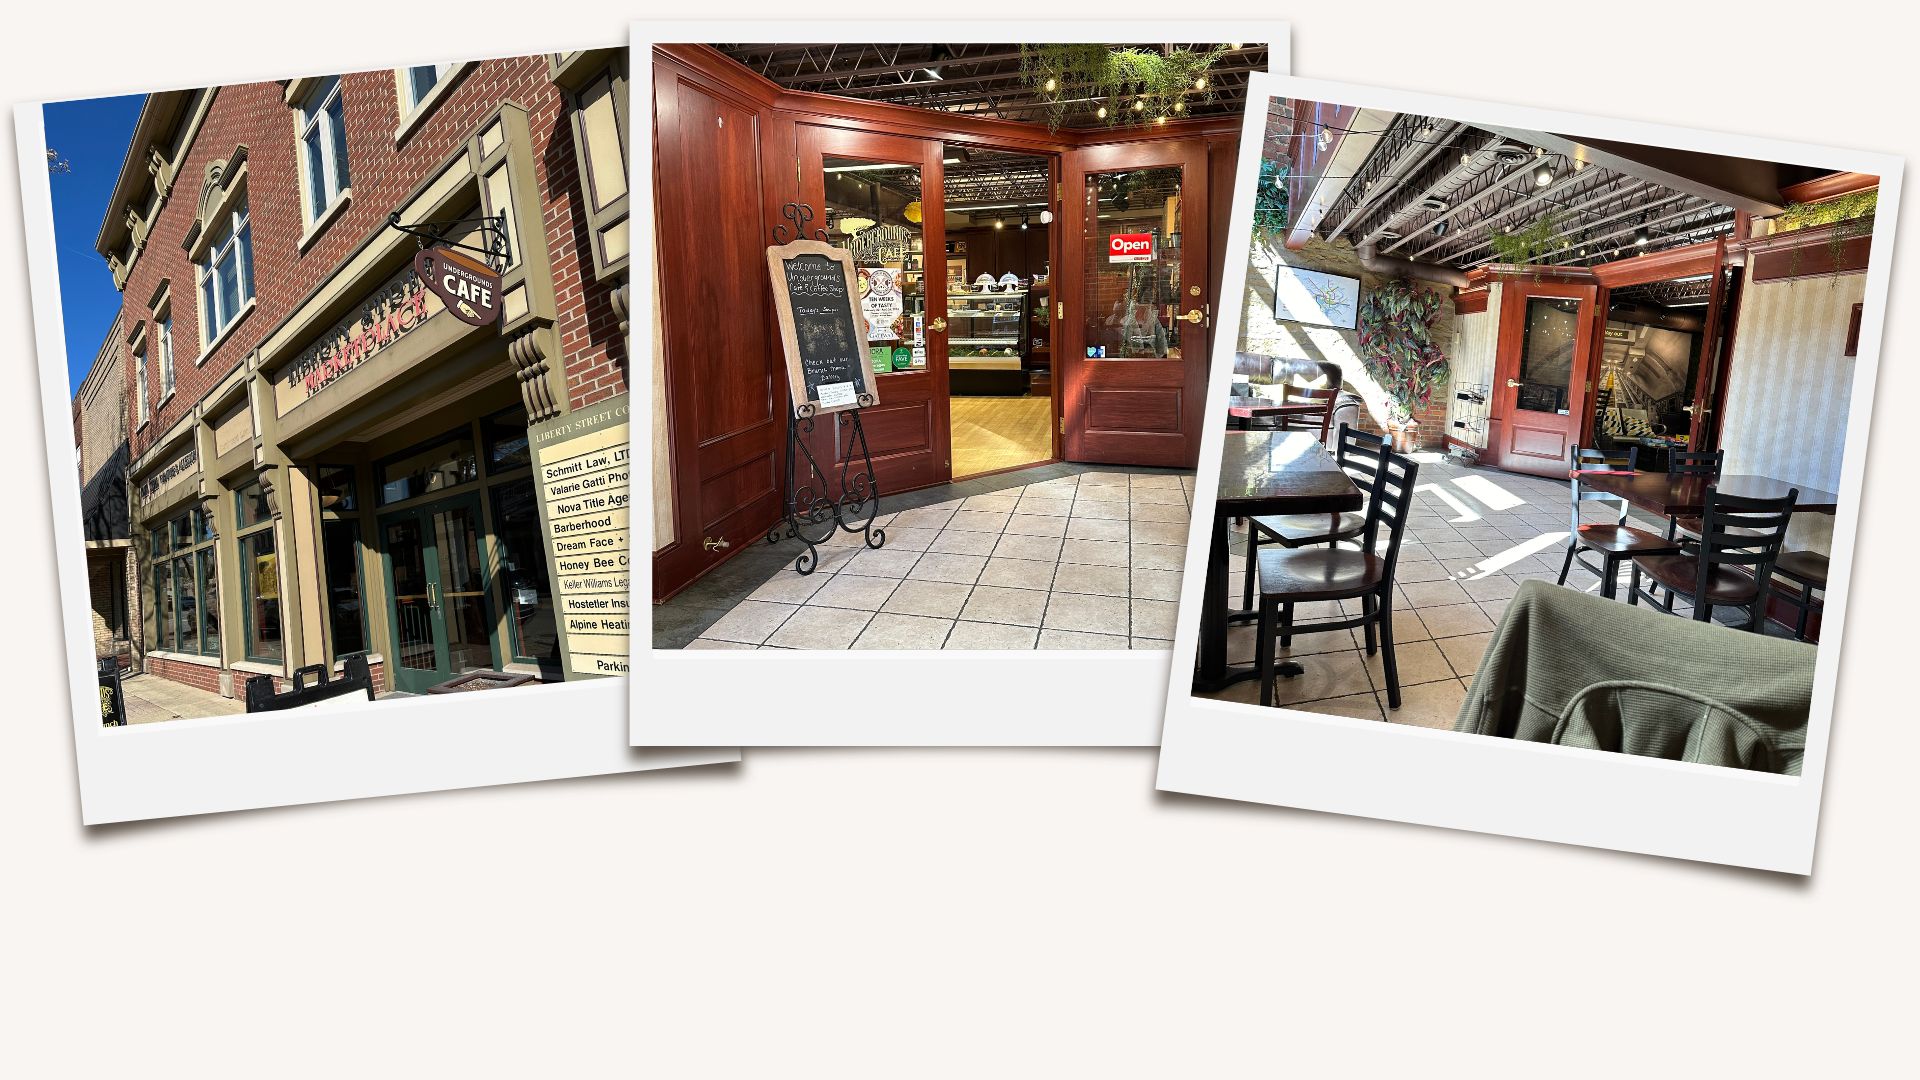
pixel 1136 303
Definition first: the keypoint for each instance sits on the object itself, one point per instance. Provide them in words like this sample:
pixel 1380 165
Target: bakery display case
pixel 987 340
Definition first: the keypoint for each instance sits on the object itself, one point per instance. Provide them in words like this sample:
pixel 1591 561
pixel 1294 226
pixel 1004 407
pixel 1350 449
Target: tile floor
pixel 1474 535
pixel 1085 561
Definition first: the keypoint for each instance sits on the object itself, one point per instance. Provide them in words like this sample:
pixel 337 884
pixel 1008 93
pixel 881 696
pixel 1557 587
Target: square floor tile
pixel 962 542
pixel 1425 594
pixel 1464 653
pixel 1041 506
pixel 716 643
pixel 978 521
pixel 1160 532
pixel 1018 573
pixel 996 504
pixel 1013 546
pixel 1161 512
pixel 854 591
pixel 1158 480
pixel 1358 706
pixel 992 604
pixel 941 567
pixel 750 621
pixel 888 631
pixel 1453 621
pixel 1155 584
pixel 1089 578
pixel 881 563
pixel 910 539
pixel 1429 705
pixel 1074 639
pixel 1409 571
pixel 1170 496
pixel 1100 509
pixel 1496 587
pixel 1098 552
pixel 787 587
pixel 922 518
pixel 820 628
pixel 1159 556
pixel 1083 528
pixel 1141 644
pixel 996 636
pixel 935 599
pixel 1419 662
pixel 1085 612
pixel 1022 524
pixel 828 560
pixel 1153 618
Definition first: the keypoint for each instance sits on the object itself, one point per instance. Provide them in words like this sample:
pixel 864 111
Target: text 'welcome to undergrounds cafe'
pixel 586 490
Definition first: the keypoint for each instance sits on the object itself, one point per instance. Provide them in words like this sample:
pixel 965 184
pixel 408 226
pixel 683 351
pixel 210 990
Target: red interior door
pixel 1543 373
pixel 724 382
pixel 1134 340
pixel 879 196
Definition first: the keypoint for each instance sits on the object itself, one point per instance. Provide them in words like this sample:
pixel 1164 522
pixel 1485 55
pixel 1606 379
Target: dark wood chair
pixel 1692 463
pixel 1734 532
pixel 1808 571
pixel 1290 576
pixel 1615 541
pixel 1359 454
pixel 1320 420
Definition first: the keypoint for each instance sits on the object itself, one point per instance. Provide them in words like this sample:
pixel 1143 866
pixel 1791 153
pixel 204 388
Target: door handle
pixel 1513 382
pixel 938 325
pixel 712 544
pixel 1193 316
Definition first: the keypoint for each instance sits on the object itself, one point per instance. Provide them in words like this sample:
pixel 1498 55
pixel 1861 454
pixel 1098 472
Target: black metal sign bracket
pixel 493 236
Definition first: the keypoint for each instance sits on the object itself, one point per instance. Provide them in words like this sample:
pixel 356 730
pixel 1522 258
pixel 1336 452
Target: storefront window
pixel 163 623
pixel 346 613
pixel 1131 267
pixel 506 437
pixel 252 505
pixel 523 572
pixel 336 488
pixel 209 603
pixel 874 212
pixel 260 589
pixel 185 586
pixel 431 469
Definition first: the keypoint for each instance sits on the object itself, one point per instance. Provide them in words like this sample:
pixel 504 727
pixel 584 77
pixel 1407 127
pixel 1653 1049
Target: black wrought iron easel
pixel 813 513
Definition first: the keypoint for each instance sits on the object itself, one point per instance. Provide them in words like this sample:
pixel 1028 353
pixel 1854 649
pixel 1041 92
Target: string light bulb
pixel 1200 83
pixel 1052 84
pixel 1101 112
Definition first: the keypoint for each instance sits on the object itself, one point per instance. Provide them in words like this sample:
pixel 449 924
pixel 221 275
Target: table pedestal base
pixel 1239 673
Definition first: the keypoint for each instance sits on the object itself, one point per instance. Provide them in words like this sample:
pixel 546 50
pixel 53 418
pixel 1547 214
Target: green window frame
pixel 259 577
pixel 186 585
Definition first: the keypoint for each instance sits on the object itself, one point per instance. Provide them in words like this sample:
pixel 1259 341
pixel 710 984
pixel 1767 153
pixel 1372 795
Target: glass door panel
pixel 416 638
pixel 1131 254
pixel 875 211
pixel 462 589
pixel 1546 354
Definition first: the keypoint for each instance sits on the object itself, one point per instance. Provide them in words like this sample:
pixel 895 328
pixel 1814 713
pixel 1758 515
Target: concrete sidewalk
pixel 151 699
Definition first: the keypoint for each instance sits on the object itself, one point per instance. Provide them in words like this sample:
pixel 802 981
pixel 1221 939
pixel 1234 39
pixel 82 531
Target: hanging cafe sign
pixel 469 289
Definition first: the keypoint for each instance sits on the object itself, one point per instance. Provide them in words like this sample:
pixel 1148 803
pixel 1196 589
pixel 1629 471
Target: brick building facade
pixel 100 444
pixel 323 460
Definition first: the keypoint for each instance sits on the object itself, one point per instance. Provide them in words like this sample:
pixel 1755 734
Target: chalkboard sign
pixel 821 327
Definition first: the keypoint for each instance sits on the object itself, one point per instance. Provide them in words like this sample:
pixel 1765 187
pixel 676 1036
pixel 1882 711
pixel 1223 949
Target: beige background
pixel 976 913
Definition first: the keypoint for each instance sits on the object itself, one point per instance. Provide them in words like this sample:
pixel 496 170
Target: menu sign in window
pixel 822 327
pixel 582 464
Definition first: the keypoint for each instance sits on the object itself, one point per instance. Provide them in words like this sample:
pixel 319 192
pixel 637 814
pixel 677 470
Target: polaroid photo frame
pixel 1317 761
pixel 888 697
pixel 334 747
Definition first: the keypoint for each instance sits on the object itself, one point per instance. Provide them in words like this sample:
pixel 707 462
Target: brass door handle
pixel 712 544
pixel 1193 317
pixel 1513 382
pixel 938 325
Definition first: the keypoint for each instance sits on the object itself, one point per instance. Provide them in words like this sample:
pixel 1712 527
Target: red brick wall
pixel 198 676
pixel 256 115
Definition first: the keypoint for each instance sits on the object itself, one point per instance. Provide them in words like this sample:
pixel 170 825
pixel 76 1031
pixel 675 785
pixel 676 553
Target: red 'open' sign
pixel 1130 247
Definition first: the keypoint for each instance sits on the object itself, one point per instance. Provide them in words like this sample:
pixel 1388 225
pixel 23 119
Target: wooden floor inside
pixel 993 433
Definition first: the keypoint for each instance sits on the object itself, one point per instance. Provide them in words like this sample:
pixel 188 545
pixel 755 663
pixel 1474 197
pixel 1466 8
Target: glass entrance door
pixel 437 589
pixel 1138 303
pixel 1543 373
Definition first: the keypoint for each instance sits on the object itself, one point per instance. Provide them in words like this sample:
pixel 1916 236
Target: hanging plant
pixel 1134 86
pixel 1543 237
pixel 1397 347
pixel 1851 215
pixel 1269 203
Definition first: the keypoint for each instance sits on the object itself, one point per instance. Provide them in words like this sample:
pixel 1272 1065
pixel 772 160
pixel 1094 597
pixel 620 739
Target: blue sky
pixel 91 137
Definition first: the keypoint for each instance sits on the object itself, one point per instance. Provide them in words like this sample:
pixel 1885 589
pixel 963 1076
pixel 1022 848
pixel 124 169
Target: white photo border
pixel 1540 791
pixel 241 762
pixel 891 698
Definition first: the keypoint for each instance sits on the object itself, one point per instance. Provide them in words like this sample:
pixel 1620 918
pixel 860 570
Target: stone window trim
pixel 225 188
pixel 578 74
pixel 137 346
pixel 414 114
pixel 300 93
pixel 326 219
pixel 226 331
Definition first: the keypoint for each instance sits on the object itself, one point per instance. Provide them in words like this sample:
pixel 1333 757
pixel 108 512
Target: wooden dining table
pixel 1667 495
pixel 1261 473
pixel 1241 409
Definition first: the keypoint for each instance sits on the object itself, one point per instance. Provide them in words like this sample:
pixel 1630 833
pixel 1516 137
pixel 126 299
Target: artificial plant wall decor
pixel 1397 346
pixel 1850 215
pixel 1118 86
pixel 1269 203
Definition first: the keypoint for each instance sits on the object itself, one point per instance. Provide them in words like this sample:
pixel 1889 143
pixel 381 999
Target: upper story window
pixel 323 147
pixel 418 83
pixel 164 345
pixel 226 274
pixel 139 390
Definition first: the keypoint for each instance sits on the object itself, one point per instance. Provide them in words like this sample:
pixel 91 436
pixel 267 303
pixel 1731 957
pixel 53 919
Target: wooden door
pixel 725 384
pixel 1542 374
pixel 1135 267
pixel 1716 355
pixel 867 190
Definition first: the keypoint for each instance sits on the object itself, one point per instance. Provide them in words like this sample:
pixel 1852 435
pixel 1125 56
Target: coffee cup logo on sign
pixel 1130 247
pixel 469 289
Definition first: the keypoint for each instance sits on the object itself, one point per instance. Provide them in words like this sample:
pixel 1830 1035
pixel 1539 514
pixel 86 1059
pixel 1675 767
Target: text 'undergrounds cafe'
pixel 1035 234
pixel 373 331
